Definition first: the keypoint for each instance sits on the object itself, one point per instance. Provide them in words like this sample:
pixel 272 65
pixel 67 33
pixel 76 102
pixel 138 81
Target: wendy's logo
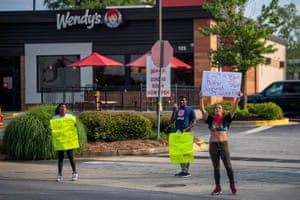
pixel 113 18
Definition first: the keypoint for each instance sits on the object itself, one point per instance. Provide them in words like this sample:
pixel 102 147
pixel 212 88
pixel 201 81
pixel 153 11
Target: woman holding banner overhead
pixel 218 144
pixel 60 114
pixel 184 118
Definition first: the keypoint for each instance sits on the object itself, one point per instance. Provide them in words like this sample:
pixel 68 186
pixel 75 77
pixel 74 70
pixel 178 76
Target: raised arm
pixel 202 108
pixel 235 105
pixel 174 109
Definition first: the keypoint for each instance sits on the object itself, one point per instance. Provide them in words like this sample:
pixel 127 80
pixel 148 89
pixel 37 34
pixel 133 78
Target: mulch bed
pixel 124 145
pixel 110 146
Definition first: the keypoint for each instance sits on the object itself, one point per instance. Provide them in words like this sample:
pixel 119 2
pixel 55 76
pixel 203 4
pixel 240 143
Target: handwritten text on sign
pixel 181 147
pixel 152 78
pixel 64 133
pixel 226 84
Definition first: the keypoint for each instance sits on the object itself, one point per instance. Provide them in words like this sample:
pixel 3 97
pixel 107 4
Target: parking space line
pixel 256 130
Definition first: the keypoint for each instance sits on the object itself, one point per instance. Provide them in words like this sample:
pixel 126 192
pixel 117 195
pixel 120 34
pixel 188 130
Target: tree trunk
pixel 244 90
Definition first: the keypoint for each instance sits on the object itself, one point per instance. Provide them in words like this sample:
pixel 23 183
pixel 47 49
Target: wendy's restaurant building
pixel 36 48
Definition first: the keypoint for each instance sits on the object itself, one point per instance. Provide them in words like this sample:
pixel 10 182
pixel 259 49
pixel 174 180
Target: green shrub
pixel 93 123
pixel 241 114
pixel 129 125
pixel 251 107
pixel 166 126
pixel 153 119
pixel 268 110
pixel 104 126
pixel 227 105
pixel 116 126
pixel 28 137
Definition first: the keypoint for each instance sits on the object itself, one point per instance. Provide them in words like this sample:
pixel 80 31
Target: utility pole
pixel 158 105
pixel 34 5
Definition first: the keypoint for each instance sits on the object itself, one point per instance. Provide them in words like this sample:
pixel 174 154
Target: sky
pixel 253 7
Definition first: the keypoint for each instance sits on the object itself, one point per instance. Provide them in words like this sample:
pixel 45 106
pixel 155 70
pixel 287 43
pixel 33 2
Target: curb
pixel 199 145
pixel 273 122
pixel 10 115
pixel 140 152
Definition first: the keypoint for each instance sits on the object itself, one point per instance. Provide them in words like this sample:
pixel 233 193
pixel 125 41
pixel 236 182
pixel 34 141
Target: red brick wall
pixel 180 3
pixel 202 45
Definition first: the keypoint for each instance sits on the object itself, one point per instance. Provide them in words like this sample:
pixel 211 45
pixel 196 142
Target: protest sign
pixel 226 84
pixel 181 147
pixel 152 79
pixel 64 133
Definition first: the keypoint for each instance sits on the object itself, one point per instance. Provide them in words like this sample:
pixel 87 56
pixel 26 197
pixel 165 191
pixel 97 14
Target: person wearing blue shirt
pixel 185 118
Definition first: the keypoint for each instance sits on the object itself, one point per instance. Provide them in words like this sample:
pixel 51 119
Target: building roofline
pixel 279 40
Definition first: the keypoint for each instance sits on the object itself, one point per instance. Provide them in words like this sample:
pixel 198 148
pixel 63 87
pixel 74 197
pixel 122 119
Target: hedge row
pixel 117 126
pixel 268 111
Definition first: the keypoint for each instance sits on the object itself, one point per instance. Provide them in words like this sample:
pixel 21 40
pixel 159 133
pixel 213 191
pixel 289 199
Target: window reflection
pixel 53 72
pixel 110 75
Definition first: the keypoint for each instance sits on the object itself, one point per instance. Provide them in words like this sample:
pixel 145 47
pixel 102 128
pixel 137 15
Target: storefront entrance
pixel 9 87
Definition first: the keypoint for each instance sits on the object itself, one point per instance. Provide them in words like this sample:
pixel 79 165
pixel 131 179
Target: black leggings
pixel 219 150
pixel 61 155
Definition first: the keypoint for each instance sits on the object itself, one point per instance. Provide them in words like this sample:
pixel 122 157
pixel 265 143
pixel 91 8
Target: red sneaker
pixel 216 191
pixel 233 189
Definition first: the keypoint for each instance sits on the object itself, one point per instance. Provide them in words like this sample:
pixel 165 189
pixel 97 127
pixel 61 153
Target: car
pixel 286 94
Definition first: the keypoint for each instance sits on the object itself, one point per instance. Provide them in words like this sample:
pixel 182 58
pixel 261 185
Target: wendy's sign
pixel 112 19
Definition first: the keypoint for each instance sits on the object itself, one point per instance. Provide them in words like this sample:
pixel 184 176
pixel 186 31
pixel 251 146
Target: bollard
pixel 97 100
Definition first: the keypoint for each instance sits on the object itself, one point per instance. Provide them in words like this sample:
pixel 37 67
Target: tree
pixel 91 4
pixel 290 30
pixel 243 41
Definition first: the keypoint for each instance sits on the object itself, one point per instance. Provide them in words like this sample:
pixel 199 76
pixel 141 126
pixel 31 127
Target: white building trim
pixel 34 50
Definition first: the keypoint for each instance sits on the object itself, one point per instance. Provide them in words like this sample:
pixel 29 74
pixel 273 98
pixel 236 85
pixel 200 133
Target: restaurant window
pixel 183 76
pixel 110 75
pixel 53 72
pixel 137 73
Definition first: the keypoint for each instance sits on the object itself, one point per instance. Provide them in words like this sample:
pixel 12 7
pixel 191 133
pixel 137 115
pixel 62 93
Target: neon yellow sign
pixel 181 147
pixel 64 133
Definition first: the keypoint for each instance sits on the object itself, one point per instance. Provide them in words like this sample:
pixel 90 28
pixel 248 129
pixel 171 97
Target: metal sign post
pixel 159 105
pixel 162 53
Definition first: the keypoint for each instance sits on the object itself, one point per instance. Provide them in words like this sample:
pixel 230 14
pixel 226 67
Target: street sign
pixel 162 51
pixel 162 54
pixel 153 81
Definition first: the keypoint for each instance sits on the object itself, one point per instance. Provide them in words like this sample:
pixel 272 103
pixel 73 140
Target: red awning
pixel 96 60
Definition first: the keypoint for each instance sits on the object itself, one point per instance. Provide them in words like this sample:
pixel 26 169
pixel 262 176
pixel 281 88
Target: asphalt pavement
pixel 259 175
pixel 152 174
